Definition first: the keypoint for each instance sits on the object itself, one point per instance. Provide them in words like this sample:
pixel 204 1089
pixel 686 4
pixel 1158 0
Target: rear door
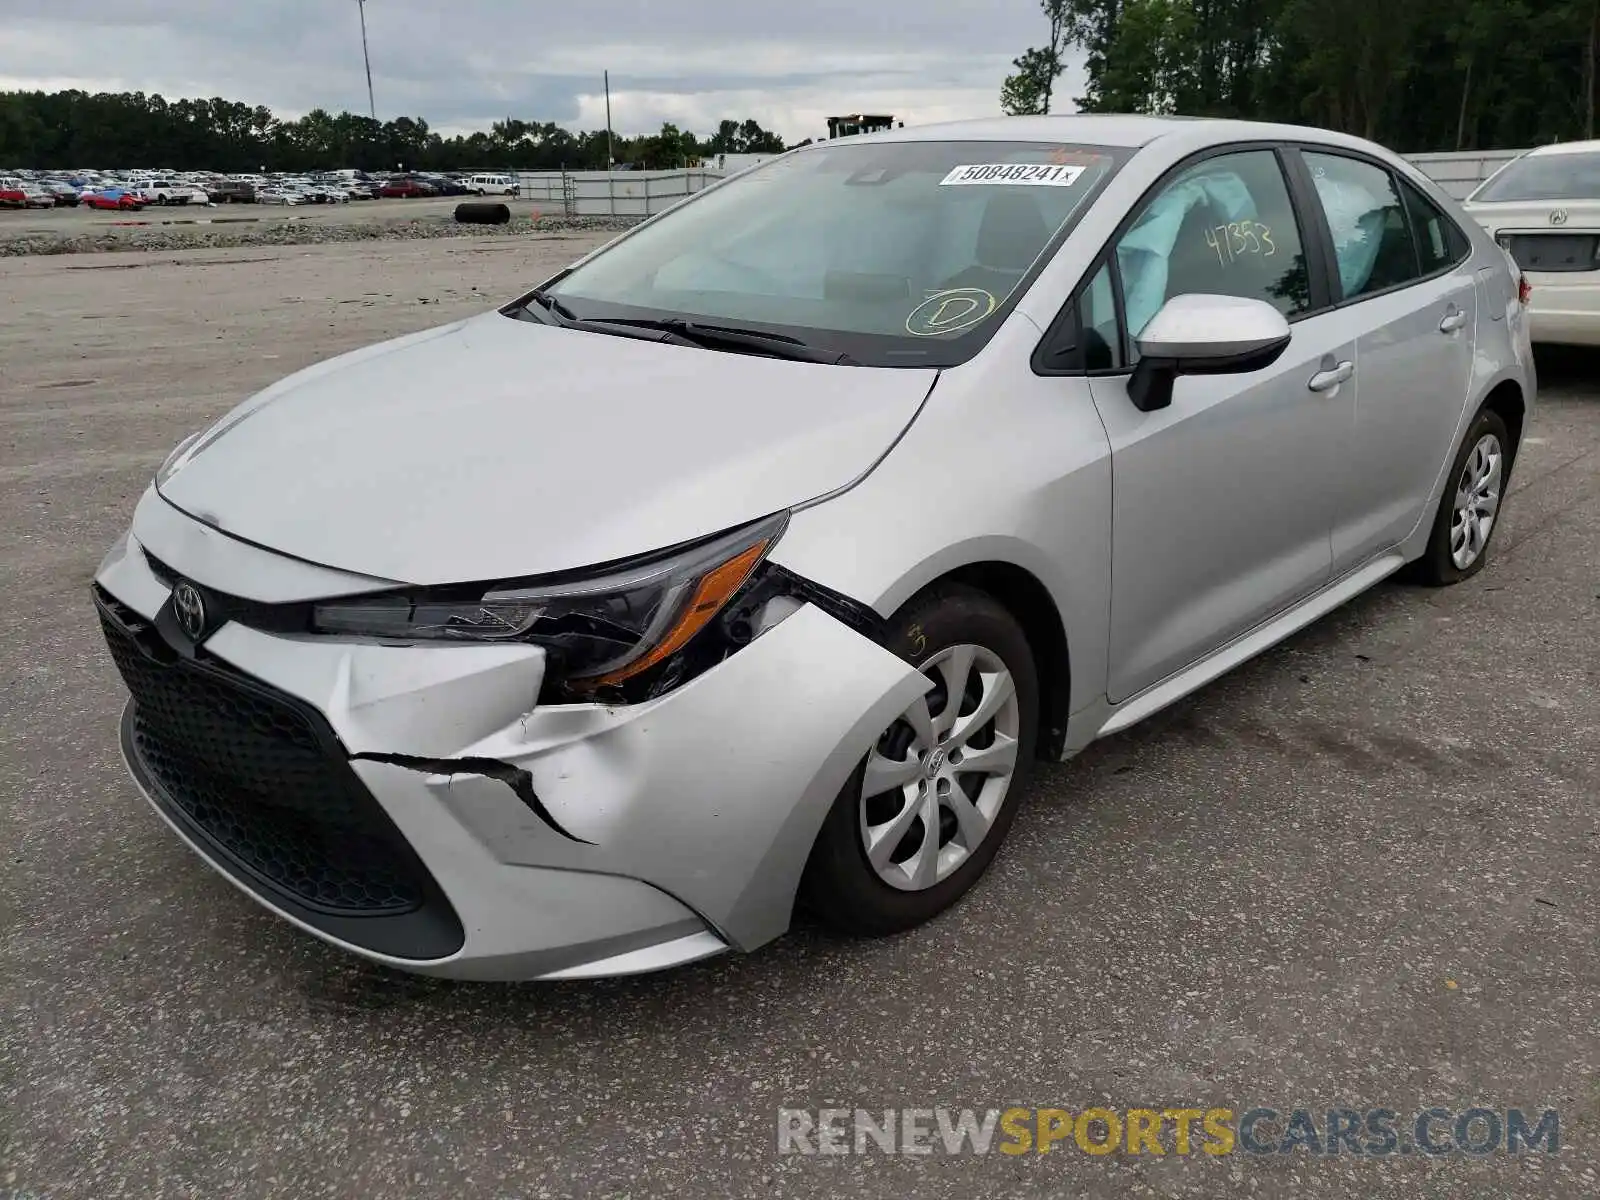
pixel 1405 290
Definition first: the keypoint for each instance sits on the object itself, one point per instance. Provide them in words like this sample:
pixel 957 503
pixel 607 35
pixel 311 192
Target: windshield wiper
pixel 551 305
pixel 553 312
pixel 677 331
pixel 775 345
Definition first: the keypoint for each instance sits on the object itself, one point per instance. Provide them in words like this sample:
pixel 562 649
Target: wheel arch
pixel 1025 596
pixel 1506 400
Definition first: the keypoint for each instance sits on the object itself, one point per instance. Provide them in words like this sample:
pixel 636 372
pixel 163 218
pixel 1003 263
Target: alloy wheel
pixel 937 777
pixel 1477 501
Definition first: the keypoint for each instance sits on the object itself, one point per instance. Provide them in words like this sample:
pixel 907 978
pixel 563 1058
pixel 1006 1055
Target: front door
pixel 1222 503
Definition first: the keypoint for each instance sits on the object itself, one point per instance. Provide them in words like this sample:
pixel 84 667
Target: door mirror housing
pixel 1204 335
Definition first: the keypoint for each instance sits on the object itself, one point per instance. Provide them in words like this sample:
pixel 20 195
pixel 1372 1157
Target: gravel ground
pixel 1360 871
pixel 173 229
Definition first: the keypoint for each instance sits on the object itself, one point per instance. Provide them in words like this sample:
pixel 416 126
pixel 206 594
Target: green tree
pixel 1418 75
pixel 1029 90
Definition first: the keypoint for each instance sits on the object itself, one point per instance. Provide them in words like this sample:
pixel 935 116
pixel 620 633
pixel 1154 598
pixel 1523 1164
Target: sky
pixel 462 64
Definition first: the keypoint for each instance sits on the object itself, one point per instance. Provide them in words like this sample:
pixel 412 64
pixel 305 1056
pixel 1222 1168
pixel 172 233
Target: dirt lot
pixel 1361 871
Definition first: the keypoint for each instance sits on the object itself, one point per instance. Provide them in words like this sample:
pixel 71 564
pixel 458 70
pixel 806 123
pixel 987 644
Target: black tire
pixel 477 212
pixel 1436 567
pixel 839 886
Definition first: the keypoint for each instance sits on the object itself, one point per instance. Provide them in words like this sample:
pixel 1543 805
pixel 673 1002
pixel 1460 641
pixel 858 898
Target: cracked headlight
pixel 600 630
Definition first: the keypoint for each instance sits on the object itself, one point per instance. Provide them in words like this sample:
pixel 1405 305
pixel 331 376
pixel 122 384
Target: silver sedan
pixel 753 561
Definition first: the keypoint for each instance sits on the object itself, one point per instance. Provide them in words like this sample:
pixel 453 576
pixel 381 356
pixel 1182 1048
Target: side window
pixel 1440 243
pixel 1226 226
pixel 1097 320
pixel 1086 336
pixel 1371 237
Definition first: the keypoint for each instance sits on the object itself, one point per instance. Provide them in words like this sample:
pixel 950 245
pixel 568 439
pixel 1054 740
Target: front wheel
pixel 924 814
pixel 1469 510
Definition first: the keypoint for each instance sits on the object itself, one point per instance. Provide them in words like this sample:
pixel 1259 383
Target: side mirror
pixel 1204 335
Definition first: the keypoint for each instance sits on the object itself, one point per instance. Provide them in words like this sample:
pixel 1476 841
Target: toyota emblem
pixel 1558 217
pixel 190 609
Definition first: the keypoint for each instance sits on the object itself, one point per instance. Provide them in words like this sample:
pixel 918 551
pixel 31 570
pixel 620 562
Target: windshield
pixel 1569 176
pixel 892 253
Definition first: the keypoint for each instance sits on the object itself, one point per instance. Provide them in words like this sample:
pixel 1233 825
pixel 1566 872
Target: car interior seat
pixel 1010 236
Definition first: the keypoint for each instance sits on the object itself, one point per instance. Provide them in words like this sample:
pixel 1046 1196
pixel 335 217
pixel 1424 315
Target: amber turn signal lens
pixel 715 589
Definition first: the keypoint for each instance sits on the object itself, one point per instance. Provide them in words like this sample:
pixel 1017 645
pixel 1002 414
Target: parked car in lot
pixel 327 193
pixel 493 185
pixel 407 187
pixel 233 191
pixel 63 194
pixel 116 199
pixel 1544 209
pixel 445 186
pixel 277 193
pixel 12 193
pixel 166 191
pixel 966 445
pixel 36 195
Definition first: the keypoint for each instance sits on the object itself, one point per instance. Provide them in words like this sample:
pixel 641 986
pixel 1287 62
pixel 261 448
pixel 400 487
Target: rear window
pixel 1566 176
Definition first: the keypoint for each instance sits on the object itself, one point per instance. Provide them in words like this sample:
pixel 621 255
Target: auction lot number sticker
pixel 1025 174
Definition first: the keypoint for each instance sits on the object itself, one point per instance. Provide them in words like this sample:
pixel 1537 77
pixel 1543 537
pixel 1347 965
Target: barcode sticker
pixel 1024 174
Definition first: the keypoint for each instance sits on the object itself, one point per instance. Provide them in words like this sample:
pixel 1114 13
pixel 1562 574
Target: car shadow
pixel 1564 367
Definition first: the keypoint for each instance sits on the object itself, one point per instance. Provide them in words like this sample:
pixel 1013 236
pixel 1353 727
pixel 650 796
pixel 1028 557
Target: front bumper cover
pixel 662 832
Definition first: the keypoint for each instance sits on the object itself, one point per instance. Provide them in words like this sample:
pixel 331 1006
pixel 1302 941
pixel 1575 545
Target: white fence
pixel 1459 174
pixel 645 193
pixel 612 193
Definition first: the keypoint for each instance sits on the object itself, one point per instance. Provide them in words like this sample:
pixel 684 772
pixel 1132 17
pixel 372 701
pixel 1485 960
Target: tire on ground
pixel 839 886
pixel 1436 567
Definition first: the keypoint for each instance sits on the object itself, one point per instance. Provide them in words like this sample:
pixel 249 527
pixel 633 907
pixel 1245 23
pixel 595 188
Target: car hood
pixel 494 447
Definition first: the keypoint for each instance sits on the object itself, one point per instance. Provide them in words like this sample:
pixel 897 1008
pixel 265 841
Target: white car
pixel 493 185
pixel 1544 210
pixel 168 191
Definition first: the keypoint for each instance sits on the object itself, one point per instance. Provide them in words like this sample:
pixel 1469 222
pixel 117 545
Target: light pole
pixel 361 5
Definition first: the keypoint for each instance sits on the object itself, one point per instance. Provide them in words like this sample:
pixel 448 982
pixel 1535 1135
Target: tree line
pixel 1417 75
pixel 74 129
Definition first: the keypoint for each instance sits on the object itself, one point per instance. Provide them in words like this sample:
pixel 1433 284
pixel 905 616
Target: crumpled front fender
pixel 714 793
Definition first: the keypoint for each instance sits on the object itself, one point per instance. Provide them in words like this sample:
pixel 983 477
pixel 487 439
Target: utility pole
pixel 367 58
pixel 609 159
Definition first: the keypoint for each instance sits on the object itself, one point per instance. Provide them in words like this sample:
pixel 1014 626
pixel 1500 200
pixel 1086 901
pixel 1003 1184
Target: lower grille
pixel 263 782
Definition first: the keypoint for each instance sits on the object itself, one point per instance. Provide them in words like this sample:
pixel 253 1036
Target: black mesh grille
pixel 253 774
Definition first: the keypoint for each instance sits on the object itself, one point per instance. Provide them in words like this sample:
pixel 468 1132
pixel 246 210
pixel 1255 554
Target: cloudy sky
pixel 461 64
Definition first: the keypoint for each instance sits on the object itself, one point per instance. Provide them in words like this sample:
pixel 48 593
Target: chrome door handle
pixel 1454 320
pixel 1326 381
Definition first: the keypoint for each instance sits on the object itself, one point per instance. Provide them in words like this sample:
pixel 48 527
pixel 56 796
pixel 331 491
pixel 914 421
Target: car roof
pixel 1098 130
pixel 1566 148
pixel 1120 130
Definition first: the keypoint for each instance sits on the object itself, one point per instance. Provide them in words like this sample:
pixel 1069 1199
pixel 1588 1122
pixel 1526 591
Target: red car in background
pixel 406 188
pixel 113 198
pixel 11 193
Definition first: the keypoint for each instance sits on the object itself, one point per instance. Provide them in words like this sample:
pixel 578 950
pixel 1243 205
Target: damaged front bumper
pixel 414 804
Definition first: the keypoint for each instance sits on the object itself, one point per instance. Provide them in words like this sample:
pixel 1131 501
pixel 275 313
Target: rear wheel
pixel 925 813
pixel 1469 510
